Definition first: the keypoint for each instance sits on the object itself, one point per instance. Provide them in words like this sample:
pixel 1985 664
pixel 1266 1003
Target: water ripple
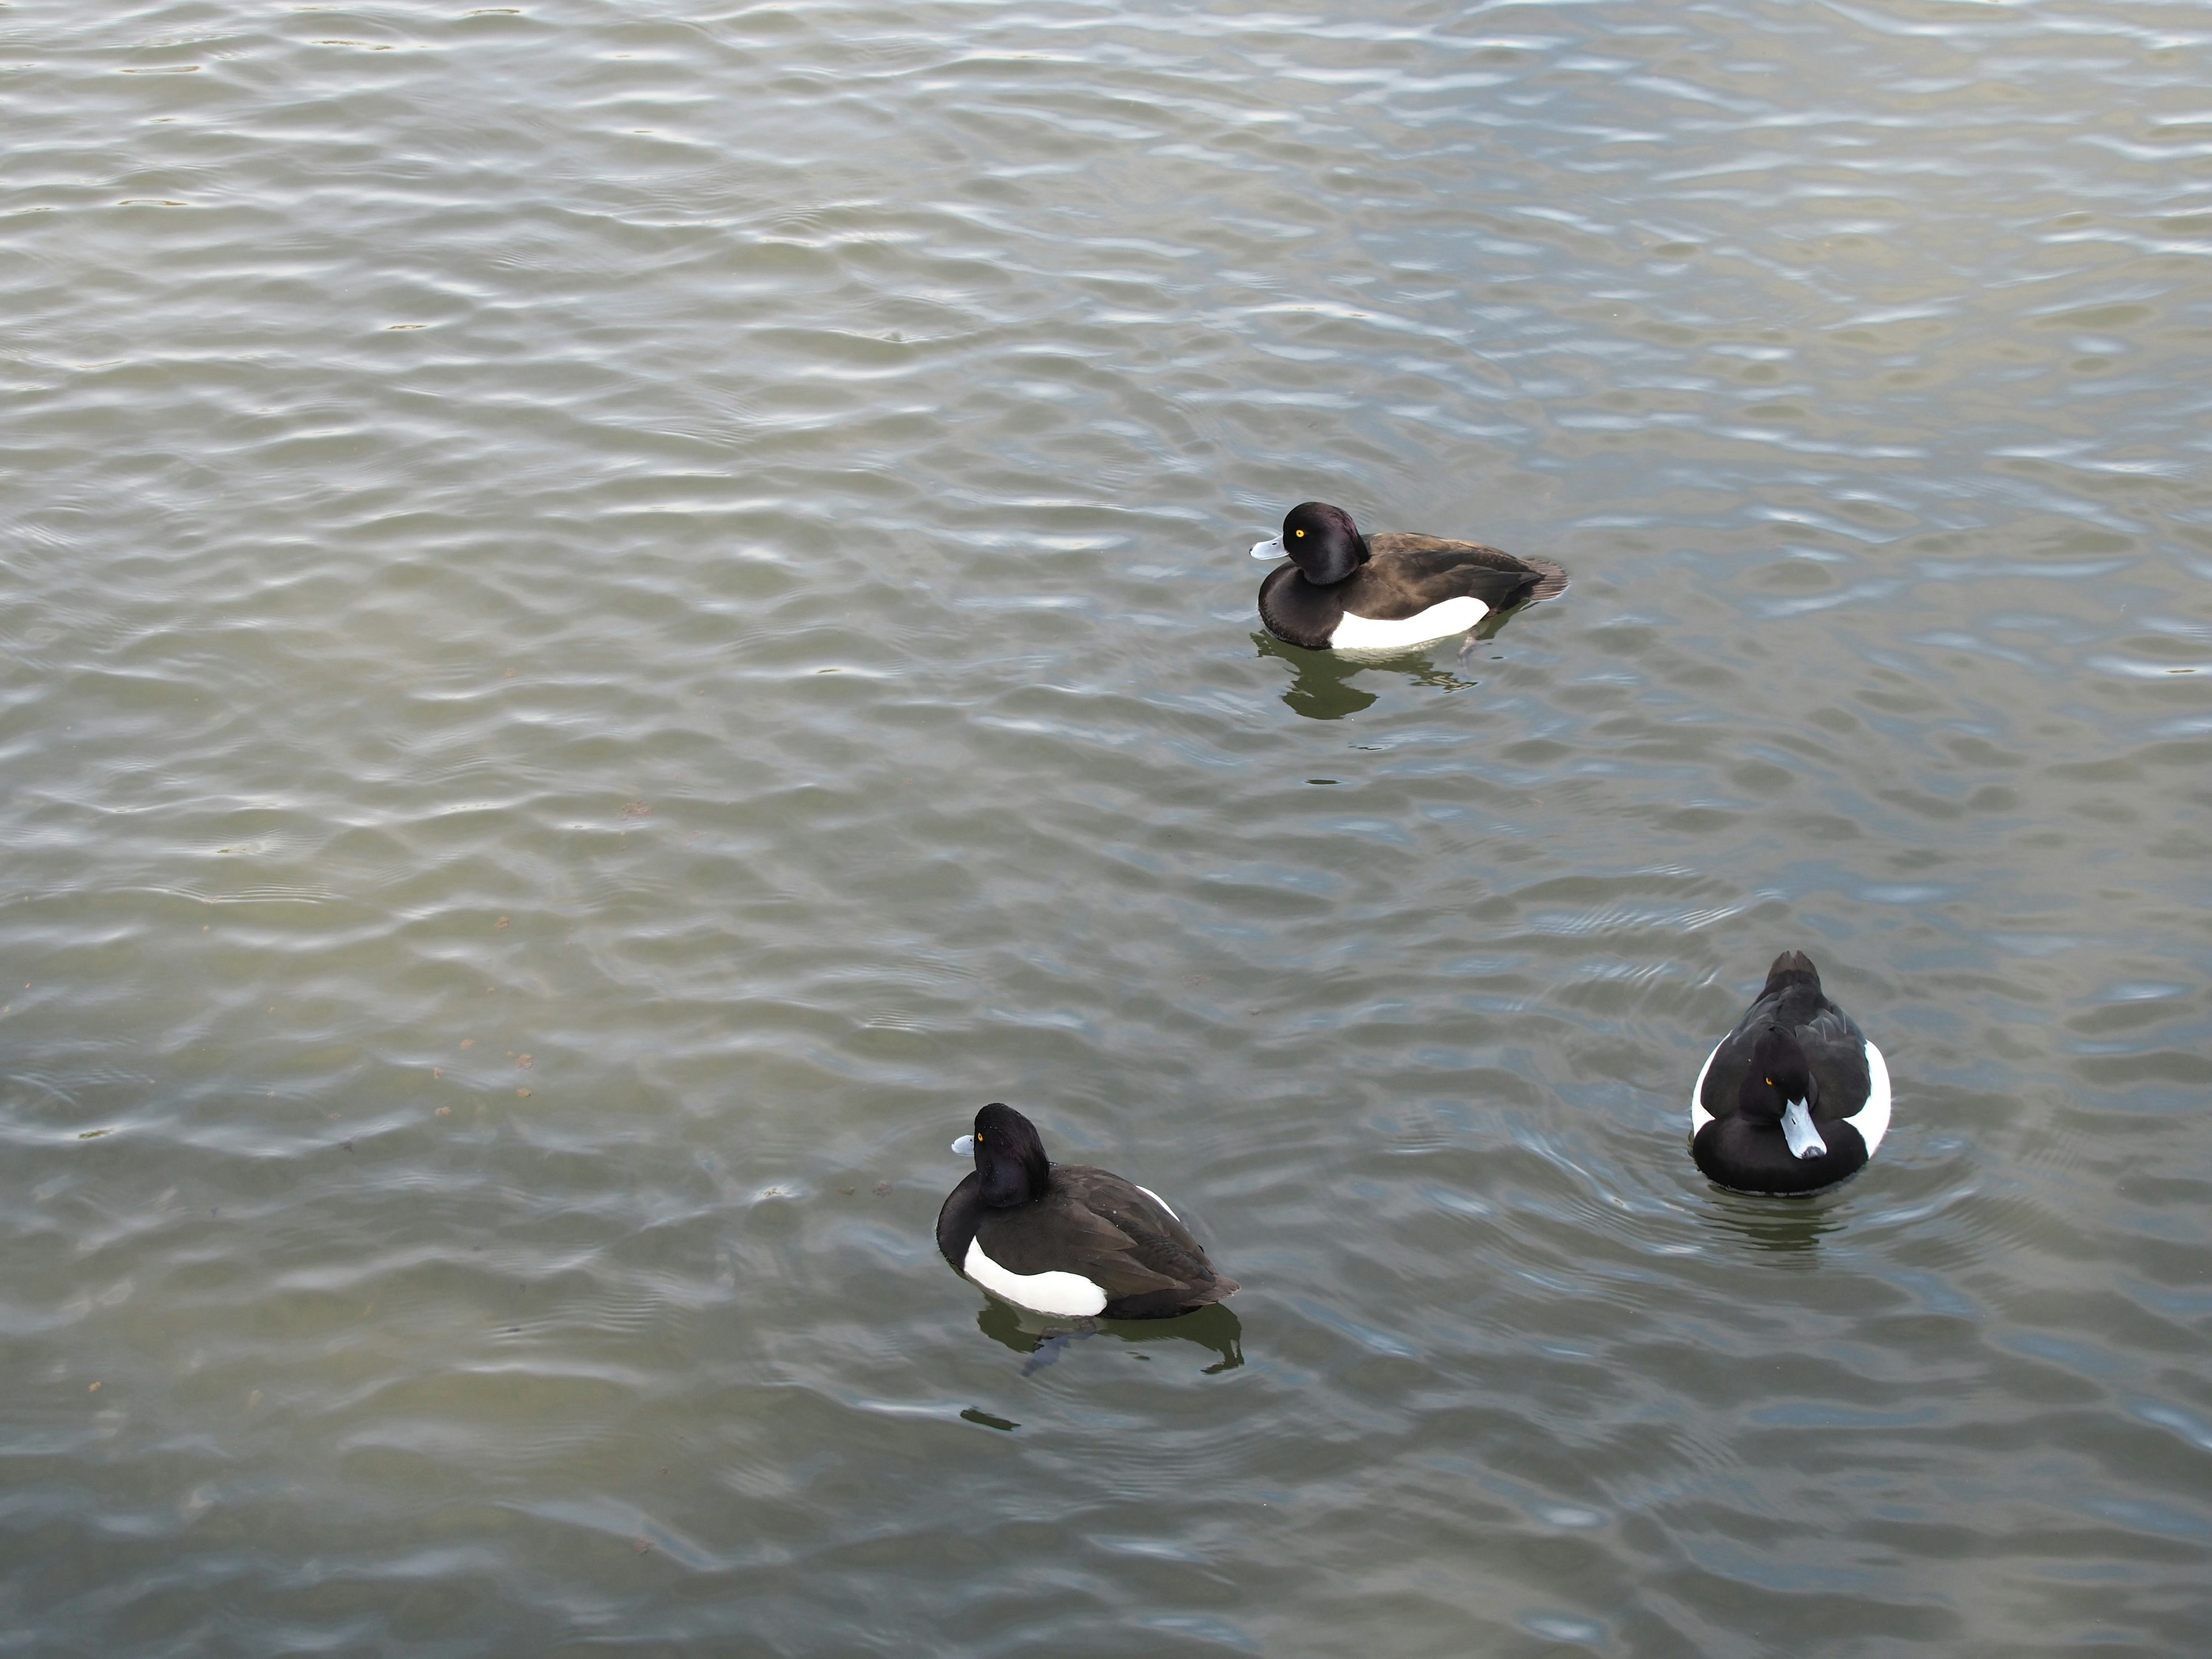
pixel 624 618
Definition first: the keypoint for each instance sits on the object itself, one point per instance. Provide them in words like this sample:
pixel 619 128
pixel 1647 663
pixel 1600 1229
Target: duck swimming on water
pixel 1067 1239
pixel 1795 1098
pixel 1345 592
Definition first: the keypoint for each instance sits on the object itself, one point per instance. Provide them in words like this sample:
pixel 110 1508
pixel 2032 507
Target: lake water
pixel 612 619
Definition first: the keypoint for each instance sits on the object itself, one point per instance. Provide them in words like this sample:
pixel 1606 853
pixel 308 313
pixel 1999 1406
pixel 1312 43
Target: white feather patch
pixel 1156 1198
pixel 1872 1120
pixel 1438 621
pixel 1699 1115
pixel 1047 1293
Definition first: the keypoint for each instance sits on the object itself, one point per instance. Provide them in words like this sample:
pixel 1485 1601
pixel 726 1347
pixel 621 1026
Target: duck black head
pixel 1009 1156
pixel 1321 540
pixel 1779 1089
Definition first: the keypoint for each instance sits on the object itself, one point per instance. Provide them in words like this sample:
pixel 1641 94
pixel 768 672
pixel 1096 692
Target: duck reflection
pixel 1044 1338
pixel 1322 688
pixel 1776 1226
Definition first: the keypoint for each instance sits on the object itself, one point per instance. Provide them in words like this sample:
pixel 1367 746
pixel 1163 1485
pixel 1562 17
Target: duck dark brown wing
pixel 1409 573
pixel 1835 1049
pixel 1132 1247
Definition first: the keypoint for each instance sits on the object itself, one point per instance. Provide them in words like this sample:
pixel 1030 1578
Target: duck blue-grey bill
pixel 1797 1129
pixel 965 1147
pixel 1270 548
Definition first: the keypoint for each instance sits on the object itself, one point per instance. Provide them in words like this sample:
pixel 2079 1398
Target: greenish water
pixel 612 619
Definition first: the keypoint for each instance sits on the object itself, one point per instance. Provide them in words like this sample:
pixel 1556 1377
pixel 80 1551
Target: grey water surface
pixel 614 615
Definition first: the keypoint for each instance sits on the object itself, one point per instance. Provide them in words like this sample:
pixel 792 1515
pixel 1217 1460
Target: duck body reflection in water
pixel 1045 1340
pixel 1323 686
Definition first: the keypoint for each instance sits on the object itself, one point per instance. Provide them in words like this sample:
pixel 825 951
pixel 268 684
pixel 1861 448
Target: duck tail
pixel 1219 1288
pixel 1791 968
pixel 1552 581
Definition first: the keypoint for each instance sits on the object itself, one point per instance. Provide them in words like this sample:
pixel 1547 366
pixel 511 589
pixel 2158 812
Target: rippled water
pixel 612 620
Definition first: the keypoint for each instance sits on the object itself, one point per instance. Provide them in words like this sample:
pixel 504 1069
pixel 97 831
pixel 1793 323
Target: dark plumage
pixel 1795 1098
pixel 1350 592
pixel 1067 1239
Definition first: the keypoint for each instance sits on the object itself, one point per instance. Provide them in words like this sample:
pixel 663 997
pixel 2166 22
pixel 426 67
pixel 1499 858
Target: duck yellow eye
pixel 1769 1084
pixel 1298 532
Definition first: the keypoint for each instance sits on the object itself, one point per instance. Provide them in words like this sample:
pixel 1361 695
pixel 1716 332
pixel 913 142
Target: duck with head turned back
pixel 1795 1098
pixel 1345 592
pixel 1067 1239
